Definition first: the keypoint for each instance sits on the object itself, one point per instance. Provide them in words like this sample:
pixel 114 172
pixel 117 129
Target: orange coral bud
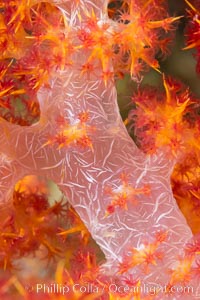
pixel 145 255
pixel 83 117
pixel 182 272
pixel 73 134
pixel 124 194
pixel 160 122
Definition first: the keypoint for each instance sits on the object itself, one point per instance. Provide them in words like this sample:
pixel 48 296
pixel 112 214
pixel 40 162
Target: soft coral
pixel 158 119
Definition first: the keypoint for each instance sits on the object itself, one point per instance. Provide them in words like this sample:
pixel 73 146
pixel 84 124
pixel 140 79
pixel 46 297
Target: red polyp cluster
pixel 161 120
pixel 142 34
pixel 34 226
pixel 185 185
pixel 74 133
pixel 124 194
pixel 193 29
pixel 36 37
pixel 36 40
pixel 33 43
pixel 145 256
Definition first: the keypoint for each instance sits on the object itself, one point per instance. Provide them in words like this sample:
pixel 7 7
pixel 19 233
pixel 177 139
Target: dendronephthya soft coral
pixel 61 53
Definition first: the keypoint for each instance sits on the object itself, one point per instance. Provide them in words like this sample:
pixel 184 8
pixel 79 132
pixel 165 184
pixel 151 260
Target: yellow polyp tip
pixel 168 96
pixel 19 287
pixel 92 148
pixel 29 37
pixel 93 13
pixel 18 92
pixel 46 144
pixel 126 121
pixel 17 27
pixel 156 69
pixel 5 264
pixel 191 6
pixel 177 18
pixel 79 17
pixel 62 233
pixel 195 44
pixel 86 12
pixel 60 146
pixel 59 271
pixel 106 215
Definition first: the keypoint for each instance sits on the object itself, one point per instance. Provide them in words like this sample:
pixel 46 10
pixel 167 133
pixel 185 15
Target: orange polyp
pixel 126 194
pixel 84 117
pixel 182 273
pixel 167 90
pixel 163 125
pixel 165 24
pixel 73 134
pixel 142 257
pixel 87 68
pixel 85 142
pixel 145 255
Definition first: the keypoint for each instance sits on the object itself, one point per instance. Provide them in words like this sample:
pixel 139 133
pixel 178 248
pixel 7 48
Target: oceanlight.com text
pixel 113 288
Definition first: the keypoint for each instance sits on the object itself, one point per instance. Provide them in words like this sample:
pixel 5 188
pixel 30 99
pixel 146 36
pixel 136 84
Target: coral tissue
pixel 58 62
